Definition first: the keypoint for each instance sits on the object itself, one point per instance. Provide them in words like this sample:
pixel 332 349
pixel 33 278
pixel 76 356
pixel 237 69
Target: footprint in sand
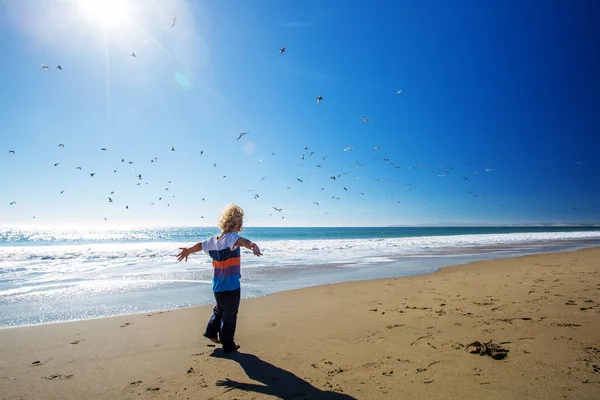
pixel 126 324
pixel 75 342
pixel 58 376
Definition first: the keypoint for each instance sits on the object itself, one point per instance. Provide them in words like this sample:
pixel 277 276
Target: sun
pixel 106 13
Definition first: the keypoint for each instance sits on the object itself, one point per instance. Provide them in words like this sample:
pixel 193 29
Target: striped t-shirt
pixel 225 260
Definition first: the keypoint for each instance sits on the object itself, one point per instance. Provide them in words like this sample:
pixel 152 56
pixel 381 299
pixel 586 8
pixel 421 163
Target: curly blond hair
pixel 231 219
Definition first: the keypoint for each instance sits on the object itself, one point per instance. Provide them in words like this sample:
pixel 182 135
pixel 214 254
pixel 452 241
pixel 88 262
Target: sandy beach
pixel 384 339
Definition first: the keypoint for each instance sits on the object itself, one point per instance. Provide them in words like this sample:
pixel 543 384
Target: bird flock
pixel 338 185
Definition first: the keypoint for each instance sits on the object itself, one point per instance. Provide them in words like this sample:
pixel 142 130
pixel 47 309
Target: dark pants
pixel 224 318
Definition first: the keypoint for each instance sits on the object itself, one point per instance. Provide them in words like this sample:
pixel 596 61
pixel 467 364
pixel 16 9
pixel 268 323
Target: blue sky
pixel 498 121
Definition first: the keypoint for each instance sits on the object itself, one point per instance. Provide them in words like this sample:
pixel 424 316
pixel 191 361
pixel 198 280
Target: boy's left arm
pixel 243 242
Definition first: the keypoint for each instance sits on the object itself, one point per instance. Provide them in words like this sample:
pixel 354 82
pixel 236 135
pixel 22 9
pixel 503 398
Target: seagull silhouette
pixel 364 119
pixel 56 164
pixel 242 134
pixel 282 50
pixel 11 151
pixel 133 55
pixel 59 68
pixel 319 99
pixel 103 149
pixel 47 68
pixel 173 20
pixel 92 174
pixel 300 180
pixel 79 168
pixel 110 200
pixel 277 209
pixel 12 203
pixel 399 91
pixel 348 148
pixel 61 145
pixel 172 148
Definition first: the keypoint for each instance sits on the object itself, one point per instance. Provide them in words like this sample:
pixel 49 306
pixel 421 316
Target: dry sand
pixel 401 338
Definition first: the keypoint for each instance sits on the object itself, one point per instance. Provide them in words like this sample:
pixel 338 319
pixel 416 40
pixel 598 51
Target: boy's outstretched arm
pixel 249 245
pixel 186 251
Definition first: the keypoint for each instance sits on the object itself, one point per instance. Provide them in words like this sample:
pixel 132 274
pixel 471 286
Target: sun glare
pixel 106 13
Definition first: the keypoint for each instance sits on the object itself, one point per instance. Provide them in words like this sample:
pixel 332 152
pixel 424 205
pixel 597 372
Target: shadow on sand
pixel 275 381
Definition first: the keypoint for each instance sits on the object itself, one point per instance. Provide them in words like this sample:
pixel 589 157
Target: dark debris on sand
pixel 490 348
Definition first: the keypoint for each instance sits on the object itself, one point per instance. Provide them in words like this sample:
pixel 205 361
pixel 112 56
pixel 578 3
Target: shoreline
pixel 460 252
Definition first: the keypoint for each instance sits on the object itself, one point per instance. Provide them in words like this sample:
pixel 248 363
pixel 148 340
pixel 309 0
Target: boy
pixel 224 249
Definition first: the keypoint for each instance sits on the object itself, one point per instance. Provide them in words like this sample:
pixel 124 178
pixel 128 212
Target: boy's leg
pixel 231 304
pixel 214 323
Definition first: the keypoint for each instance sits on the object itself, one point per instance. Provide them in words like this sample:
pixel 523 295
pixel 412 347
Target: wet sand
pixel 385 339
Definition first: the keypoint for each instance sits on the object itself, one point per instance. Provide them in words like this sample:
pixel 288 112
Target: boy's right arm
pixel 186 251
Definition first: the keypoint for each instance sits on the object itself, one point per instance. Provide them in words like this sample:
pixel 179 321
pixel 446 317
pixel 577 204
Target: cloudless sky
pixel 498 121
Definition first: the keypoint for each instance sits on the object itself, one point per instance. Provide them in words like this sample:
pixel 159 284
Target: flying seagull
pixel 92 174
pixel 133 55
pixel 348 148
pixel 173 20
pixel 11 151
pixel 103 149
pixel 399 91
pixel 61 145
pixel 59 68
pixel 277 209
pixel 300 180
pixel 47 68
pixel 365 119
pixel 242 134
pixel 282 50
pixel 172 148
pixel 12 203
pixel 319 99
pixel 79 168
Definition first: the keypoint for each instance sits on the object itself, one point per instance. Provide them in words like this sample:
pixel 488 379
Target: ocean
pixel 56 275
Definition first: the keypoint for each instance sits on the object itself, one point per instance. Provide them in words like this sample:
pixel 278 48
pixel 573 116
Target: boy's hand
pixel 185 252
pixel 256 250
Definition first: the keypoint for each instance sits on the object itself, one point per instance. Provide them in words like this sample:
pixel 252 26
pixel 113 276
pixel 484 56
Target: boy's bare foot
pixel 213 339
pixel 237 346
